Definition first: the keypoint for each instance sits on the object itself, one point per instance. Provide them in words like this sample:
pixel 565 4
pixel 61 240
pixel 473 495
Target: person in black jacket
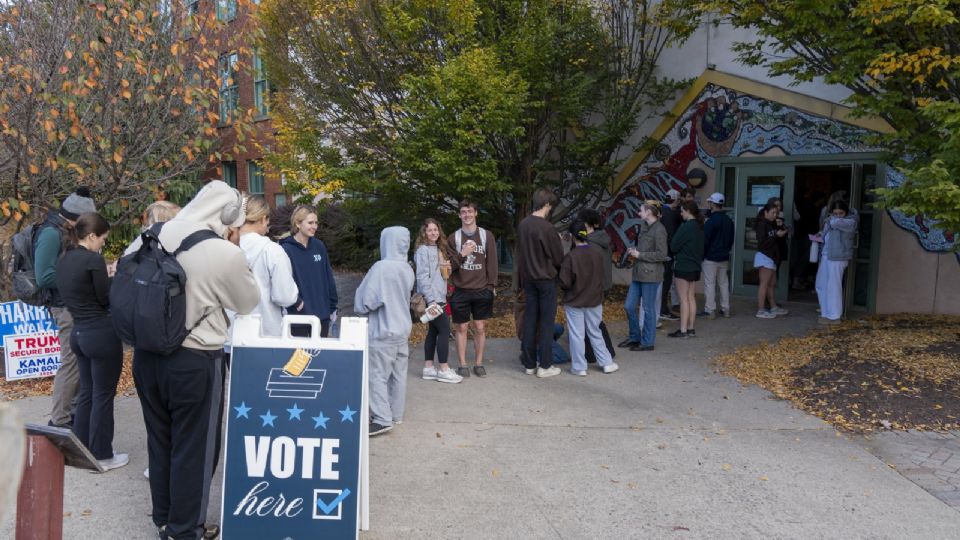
pixel 84 284
pixel 718 240
pixel 766 259
pixel 671 220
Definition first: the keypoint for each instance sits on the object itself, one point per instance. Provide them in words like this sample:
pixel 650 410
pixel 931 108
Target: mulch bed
pixel 884 372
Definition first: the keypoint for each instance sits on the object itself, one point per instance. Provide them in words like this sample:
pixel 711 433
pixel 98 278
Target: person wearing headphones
pixel 180 393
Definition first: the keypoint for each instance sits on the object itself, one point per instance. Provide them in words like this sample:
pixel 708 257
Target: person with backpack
pixel 718 240
pixel 384 297
pixel 474 271
pixel 48 247
pixel 433 269
pixel 583 300
pixel 180 390
pixel 312 272
pixel 83 282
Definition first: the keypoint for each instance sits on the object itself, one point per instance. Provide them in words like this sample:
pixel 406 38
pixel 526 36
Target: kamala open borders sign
pixel 293 444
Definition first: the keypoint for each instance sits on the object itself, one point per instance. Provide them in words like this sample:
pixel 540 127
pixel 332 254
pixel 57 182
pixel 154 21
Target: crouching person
pixel 384 296
pixel 180 393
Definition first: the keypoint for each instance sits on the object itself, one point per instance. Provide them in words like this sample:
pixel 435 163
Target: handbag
pixel 418 305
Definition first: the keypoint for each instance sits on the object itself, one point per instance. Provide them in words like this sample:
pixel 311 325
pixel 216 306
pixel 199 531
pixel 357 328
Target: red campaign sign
pixel 29 356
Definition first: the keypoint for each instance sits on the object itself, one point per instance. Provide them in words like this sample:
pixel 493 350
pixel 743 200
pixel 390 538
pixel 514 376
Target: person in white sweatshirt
pixel 180 392
pixel 384 297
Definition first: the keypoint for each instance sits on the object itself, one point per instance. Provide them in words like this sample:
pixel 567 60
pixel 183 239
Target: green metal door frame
pixel 756 167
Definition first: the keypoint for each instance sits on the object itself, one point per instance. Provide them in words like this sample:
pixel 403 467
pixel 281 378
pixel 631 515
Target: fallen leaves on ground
pixel 884 372
pixel 11 390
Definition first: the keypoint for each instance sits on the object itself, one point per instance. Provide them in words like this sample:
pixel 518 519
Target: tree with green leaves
pixel 412 105
pixel 901 60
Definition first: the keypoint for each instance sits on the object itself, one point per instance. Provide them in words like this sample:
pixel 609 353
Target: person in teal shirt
pixel 687 246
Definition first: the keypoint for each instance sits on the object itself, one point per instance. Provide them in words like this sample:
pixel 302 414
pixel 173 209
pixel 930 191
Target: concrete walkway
pixel 664 448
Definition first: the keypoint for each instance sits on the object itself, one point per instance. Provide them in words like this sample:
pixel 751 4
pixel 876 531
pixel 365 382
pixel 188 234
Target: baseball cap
pixel 716 198
pixel 672 195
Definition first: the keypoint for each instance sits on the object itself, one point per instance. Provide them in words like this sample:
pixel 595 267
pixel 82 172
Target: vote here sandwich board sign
pixel 296 428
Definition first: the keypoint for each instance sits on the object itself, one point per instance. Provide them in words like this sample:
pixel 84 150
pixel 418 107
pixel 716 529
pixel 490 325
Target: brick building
pixel 243 86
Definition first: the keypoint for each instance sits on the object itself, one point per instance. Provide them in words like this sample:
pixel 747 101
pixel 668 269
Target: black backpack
pixel 22 271
pixel 148 297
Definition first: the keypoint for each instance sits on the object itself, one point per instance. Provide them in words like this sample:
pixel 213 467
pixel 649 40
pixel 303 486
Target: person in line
pixel 687 245
pixel 539 255
pixel 433 268
pixel 766 259
pixel 670 218
pixel 599 238
pixel 180 393
pixel 718 240
pixel 83 281
pixel 47 251
pixel 475 269
pixel 838 234
pixel 312 272
pixel 583 300
pixel 649 254
pixel 384 297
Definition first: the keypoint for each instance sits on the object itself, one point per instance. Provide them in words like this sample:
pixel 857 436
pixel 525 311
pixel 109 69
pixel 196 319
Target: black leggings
pixel 438 338
pixel 100 361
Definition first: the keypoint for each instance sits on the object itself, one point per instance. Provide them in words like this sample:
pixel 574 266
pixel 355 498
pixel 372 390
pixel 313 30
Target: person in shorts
pixel 474 269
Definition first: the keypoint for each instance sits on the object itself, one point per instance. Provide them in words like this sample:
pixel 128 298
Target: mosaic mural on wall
pixel 931 238
pixel 725 122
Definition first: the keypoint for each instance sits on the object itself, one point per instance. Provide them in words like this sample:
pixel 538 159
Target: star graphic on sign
pixel 268 419
pixel 346 414
pixel 294 412
pixel 242 410
pixel 320 421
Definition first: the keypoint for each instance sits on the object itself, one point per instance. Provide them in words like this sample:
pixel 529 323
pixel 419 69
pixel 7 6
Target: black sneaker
pixel 639 347
pixel 480 371
pixel 463 371
pixel 626 344
pixel 669 317
pixel 691 333
pixel 377 429
pixel 209 532
pixel 678 334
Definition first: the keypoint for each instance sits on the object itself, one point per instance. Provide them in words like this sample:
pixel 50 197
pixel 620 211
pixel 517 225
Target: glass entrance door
pixel 755 184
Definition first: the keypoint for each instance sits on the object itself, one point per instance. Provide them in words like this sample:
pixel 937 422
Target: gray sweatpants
pixel 66 382
pixel 388 382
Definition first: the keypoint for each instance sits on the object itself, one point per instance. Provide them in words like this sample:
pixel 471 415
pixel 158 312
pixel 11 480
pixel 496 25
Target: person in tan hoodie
pixel 180 393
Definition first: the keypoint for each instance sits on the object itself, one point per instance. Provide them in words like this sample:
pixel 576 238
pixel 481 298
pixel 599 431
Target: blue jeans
pixel 648 292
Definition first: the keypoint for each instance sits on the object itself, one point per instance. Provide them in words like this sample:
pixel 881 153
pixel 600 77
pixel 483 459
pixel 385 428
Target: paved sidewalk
pixel 929 459
pixel 664 448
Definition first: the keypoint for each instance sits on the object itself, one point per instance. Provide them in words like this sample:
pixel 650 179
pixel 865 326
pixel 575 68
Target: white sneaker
pixel 146 473
pixel 610 368
pixel 429 373
pixel 578 373
pixel 447 376
pixel 117 461
pixel 531 371
pixel 777 310
pixel 549 372
pixel 764 314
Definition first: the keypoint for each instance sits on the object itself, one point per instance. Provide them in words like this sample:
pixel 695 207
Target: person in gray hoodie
pixel 384 297
pixel 433 269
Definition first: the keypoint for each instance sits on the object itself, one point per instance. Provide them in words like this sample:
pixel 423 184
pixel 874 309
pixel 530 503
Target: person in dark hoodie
pixel 599 238
pixel 583 300
pixel 717 241
pixel 384 297
pixel 47 251
pixel 311 271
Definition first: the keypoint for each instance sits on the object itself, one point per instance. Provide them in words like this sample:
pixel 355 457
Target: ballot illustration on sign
pixel 295 379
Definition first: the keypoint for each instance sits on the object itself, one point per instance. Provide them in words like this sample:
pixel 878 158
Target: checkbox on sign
pixel 326 501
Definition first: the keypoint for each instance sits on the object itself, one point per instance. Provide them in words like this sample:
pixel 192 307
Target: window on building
pixel 230 173
pixel 226 10
pixel 280 199
pixel 228 87
pixel 261 87
pixel 255 177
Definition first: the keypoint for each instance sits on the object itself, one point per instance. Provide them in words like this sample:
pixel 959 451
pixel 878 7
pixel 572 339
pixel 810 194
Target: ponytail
pixel 691 208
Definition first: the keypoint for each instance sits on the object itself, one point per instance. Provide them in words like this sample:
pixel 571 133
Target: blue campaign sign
pixel 19 318
pixel 295 418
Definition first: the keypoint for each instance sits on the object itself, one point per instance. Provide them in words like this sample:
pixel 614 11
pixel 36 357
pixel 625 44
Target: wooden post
pixel 40 499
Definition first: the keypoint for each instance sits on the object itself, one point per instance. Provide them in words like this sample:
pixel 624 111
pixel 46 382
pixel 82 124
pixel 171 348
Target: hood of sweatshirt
pixel 394 244
pixel 253 245
pixel 217 206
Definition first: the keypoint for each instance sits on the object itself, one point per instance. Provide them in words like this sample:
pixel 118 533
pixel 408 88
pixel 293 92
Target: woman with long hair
pixel 433 269
pixel 838 233
pixel 84 283
pixel 687 246
pixel 766 260
pixel 649 254
pixel 311 271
